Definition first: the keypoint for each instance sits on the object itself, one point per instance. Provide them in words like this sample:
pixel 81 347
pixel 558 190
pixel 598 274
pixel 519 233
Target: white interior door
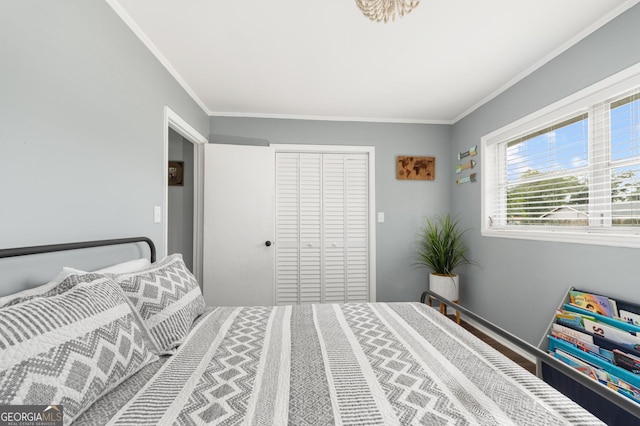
pixel 238 263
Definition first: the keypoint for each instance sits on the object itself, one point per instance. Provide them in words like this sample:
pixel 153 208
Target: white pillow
pixel 125 267
pixel 119 268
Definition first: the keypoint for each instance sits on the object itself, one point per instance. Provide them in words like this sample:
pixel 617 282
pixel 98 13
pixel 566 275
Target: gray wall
pixel 520 282
pixel 180 201
pixel 81 124
pixel 405 203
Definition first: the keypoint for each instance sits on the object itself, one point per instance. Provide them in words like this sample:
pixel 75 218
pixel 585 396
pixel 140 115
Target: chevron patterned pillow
pixel 70 348
pixel 167 297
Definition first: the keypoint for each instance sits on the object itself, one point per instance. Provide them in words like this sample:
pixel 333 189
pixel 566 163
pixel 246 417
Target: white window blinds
pixel 575 169
pixel 546 175
pixel 625 161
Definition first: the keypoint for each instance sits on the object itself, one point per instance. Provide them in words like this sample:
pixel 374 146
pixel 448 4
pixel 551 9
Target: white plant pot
pixel 445 286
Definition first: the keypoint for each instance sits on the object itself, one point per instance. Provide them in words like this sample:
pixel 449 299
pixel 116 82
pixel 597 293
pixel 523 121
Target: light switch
pixel 157 214
pixel 380 217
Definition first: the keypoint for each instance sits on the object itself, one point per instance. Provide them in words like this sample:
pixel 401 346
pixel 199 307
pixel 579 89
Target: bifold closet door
pixel 334 218
pixel 298 228
pixel 321 228
pixel 357 227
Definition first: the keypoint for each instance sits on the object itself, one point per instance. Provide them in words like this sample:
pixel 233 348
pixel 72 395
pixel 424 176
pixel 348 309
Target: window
pixel 570 172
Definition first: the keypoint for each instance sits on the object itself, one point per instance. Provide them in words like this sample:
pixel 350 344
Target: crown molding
pixel 329 118
pixel 547 58
pixel 115 5
pixel 128 20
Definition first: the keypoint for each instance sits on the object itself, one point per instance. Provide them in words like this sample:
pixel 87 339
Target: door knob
pixel 267 243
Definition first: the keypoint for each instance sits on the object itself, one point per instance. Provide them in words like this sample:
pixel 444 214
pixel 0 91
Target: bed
pixel 136 345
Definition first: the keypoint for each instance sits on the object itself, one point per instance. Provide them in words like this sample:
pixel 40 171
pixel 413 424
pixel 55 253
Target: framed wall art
pixel 415 168
pixel 176 173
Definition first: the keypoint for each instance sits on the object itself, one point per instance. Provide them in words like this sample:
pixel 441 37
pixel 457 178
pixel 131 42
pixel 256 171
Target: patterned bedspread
pixel 352 364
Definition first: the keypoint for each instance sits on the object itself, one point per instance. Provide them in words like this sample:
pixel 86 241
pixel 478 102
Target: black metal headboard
pixel 23 251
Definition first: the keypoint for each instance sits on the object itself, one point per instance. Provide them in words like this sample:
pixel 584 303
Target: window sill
pixel 583 237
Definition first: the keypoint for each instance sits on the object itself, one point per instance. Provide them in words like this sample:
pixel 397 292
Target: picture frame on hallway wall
pixel 176 173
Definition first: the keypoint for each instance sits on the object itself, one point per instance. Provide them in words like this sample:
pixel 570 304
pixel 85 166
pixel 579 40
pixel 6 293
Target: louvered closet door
pixel 334 215
pixel 357 224
pixel 321 228
pixel 287 265
pixel 310 228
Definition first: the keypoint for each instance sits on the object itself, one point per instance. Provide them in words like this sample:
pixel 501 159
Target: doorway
pixel 180 199
pixel 184 231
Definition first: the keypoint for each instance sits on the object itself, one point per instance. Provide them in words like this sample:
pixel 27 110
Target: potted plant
pixel 441 249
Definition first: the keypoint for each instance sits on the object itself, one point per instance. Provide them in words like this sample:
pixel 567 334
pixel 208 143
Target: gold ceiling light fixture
pixel 385 10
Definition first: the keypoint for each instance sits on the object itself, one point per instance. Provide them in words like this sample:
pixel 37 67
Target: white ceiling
pixel 322 59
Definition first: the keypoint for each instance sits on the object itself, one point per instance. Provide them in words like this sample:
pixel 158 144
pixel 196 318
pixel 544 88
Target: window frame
pixel 598 95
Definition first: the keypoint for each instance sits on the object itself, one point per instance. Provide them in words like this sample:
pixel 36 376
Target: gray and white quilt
pixel 351 364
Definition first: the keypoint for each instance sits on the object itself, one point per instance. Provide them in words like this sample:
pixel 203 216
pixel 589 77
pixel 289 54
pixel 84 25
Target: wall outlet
pixel 157 214
pixel 380 217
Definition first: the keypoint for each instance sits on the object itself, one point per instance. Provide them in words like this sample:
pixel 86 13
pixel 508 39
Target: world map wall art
pixel 415 168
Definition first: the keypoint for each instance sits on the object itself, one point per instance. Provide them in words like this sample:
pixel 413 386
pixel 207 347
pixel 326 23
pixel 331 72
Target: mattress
pixel 350 364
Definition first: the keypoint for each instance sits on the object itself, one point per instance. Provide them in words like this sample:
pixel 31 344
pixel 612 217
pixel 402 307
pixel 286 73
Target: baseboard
pixel 502 340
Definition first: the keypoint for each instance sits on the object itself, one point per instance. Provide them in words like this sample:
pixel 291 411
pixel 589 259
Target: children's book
pixel 577 363
pixel 614 322
pixel 614 308
pixel 606 354
pixel 612 333
pixel 630 317
pixel 567 318
pixel 566 338
pixel 591 302
pixel 590 348
pixel 610 345
pixel 623 305
pixel 572 332
pixel 585 346
pixel 619 385
pixel 625 385
pixel 624 391
pixel 626 361
pixel 615 382
pixel 621 373
pixel 604 376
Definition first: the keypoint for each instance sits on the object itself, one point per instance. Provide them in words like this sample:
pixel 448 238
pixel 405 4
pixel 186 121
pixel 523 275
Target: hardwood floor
pixel 517 358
